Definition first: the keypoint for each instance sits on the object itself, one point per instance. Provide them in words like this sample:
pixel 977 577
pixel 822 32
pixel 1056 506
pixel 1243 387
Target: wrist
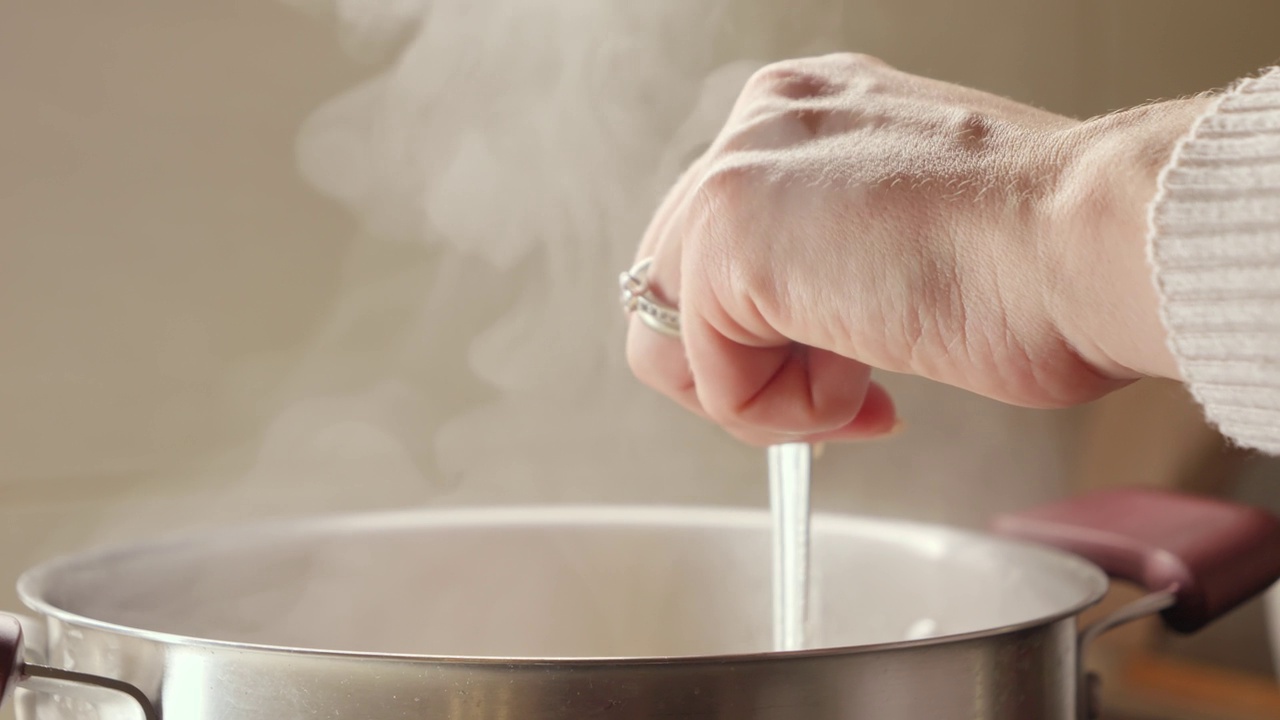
pixel 1108 307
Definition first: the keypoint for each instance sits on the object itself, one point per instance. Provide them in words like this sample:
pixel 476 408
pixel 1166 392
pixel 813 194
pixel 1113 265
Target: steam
pixel 499 162
pixel 517 148
pixel 502 159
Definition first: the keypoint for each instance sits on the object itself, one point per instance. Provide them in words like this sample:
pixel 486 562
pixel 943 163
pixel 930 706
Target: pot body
pixel 1018 675
pixel 562 614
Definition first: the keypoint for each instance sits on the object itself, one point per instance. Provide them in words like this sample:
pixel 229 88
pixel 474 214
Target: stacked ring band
pixel 638 297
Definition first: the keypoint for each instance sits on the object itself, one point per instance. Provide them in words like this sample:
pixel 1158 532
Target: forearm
pixel 1180 276
pixel 1109 305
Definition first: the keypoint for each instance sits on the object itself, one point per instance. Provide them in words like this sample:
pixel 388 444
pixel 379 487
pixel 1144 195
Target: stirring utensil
pixel 789 465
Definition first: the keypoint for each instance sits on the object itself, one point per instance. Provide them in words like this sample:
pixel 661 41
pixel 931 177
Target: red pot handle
pixel 10 654
pixel 1216 554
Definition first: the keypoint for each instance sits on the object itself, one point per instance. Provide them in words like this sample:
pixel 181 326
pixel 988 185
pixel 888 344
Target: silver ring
pixel 637 297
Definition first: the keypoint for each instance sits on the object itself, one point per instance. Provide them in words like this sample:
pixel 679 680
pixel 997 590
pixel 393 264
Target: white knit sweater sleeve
pixel 1214 244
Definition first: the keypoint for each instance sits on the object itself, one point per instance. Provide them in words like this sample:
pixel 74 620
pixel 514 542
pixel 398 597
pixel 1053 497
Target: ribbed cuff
pixel 1214 243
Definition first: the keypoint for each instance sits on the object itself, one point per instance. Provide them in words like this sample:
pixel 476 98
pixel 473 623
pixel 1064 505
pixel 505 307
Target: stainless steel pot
pixel 620 613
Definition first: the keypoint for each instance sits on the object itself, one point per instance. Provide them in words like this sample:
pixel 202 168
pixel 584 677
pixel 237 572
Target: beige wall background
pixel 170 287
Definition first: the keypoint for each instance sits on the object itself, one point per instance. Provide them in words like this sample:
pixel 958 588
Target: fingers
pixel 875 419
pixel 658 360
pixel 760 395
pixel 671 204
pixel 754 382
pixel 773 386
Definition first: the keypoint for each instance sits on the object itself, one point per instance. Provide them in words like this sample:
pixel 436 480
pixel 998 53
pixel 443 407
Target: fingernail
pixel 899 426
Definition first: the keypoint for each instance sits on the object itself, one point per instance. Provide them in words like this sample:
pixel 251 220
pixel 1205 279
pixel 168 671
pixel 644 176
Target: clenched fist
pixel 850 216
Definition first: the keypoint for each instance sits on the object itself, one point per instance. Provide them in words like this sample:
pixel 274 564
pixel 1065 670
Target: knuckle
pixel 795 79
pixel 740 138
pixel 807 78
pixel 769 76
pixel 781 126
pixel 723 195
pixel 725 414
pixel 863 75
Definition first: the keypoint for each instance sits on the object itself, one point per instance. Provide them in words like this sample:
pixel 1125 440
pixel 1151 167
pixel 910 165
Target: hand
pixel 852 216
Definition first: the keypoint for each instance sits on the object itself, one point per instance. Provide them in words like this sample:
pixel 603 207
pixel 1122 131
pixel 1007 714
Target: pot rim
pixel 32 583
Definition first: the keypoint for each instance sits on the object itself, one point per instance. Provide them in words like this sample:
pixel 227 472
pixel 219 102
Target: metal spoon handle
pixel 789 466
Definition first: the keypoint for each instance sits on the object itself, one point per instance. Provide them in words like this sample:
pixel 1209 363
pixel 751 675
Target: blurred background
pixel 267 257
